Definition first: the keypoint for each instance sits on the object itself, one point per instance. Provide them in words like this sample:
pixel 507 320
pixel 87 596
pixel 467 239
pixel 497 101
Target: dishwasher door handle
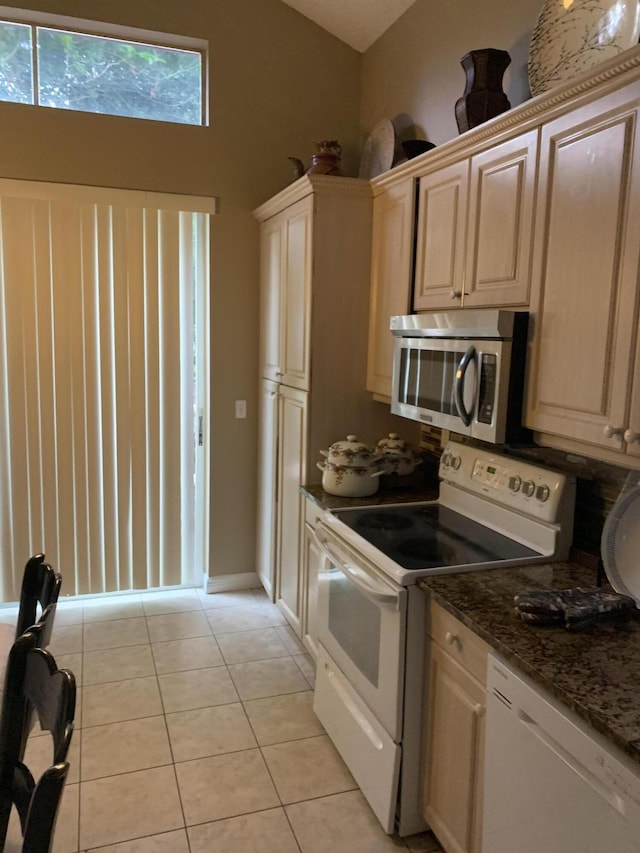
pixel 587 776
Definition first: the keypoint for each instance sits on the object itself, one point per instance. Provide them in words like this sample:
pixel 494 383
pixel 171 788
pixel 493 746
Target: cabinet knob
pixel 610 431
pixel 450 638
pixel 456 294
pixel 279 373
pixel 631 437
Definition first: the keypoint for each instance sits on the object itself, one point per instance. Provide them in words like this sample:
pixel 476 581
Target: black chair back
pixel 40 586
pixel 34 683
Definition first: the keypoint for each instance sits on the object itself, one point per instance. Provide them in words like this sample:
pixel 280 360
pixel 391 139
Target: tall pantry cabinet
pixel 315 239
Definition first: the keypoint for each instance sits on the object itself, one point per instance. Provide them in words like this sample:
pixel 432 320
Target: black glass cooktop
pixel 429 536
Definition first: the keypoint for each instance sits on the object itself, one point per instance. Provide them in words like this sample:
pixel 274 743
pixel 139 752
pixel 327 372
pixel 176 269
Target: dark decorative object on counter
pixel 326 160
pixel 413 147
pixel 483 97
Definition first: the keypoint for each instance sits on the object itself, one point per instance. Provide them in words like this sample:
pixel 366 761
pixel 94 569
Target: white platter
pixel 378 151
pixel 571 36
pixel 620 546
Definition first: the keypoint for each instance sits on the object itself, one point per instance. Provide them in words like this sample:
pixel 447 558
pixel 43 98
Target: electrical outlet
pixel 241 408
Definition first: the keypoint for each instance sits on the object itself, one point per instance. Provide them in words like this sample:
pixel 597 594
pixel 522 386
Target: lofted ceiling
pixel 359 23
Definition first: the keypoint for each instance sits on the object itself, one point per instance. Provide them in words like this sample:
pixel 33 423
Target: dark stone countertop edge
pixel 594 672
pixel 382 497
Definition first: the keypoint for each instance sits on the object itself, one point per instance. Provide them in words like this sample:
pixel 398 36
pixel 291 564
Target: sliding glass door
pixel 103 385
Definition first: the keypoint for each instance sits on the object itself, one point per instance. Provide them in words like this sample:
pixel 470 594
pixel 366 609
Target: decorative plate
pixel 621 544
pixel 377 154
pixel 574 35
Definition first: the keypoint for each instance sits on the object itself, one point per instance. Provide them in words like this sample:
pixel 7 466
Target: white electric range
pixel 492 511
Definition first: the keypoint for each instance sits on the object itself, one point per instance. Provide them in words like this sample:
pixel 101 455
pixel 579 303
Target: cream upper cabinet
pixel 454 732
pixel 286 294
pixel 582 382
pixel 440 248
pixel 474 229
pixel 391 269
pixel 272 237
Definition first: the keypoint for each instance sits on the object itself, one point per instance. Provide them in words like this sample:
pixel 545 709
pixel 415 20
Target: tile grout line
pixel 297 656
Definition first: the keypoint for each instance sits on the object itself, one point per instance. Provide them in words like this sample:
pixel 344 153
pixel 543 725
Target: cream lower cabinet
pixel 391 271
pixel 283 428
pixel 474 230
pixel 311 561
pixel 454 732
pixel 267 485
pixel 583 383
pixel 292 453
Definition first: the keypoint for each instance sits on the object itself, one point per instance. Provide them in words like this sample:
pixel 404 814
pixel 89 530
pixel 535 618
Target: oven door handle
pixel 332 552
pixel 463 366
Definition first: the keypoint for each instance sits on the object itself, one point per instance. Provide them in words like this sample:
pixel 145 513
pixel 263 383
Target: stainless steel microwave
pixel 462 371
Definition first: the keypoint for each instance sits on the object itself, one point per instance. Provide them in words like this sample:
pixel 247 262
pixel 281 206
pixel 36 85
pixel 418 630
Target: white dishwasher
pixel 552 784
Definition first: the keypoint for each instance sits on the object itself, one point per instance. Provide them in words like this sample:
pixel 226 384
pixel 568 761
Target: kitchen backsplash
pixel 598 484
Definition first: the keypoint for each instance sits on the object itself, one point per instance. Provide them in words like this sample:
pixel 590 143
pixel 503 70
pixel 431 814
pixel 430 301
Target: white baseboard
pixel 231 583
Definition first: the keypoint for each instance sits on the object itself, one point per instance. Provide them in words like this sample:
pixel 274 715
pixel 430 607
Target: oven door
pixel 361 622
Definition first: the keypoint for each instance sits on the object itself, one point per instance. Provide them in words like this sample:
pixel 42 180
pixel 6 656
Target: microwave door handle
pixel 355 577
pixel 463 366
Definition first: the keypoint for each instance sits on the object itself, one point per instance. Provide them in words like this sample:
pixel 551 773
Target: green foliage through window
pixel 77 71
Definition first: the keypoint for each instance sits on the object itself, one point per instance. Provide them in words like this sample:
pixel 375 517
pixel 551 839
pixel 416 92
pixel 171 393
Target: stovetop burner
pixel 383 521
pixel 430 535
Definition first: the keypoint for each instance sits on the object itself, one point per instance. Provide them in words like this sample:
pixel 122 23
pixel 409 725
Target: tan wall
pixel 278 82
pixel 413 76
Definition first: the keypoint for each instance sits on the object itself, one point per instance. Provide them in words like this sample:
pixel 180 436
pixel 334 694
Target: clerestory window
pixel 54 66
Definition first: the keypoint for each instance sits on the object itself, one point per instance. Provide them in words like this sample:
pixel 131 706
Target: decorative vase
pixel 572 37
pixel 483 97
pixel 326 161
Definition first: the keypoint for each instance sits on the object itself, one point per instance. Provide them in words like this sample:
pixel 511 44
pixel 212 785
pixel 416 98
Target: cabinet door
pixel 297 295
pixel 499 236
pixel 440 243
pixel 585 273
pixel 391 269
pixel 312 557
pixel 292 451
pixel 272 237
pixel 267 485
pixel 452 795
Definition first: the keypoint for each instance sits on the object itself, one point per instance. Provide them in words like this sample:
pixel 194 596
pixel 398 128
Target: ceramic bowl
pixel 350 452
pixel 397 457
pixel 350 481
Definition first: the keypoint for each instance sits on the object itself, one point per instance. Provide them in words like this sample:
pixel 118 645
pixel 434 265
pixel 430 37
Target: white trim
pixel 102 28
pixel 18 188
pixel 231 583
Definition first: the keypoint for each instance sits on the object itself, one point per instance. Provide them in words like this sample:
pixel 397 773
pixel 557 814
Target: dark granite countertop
pixel 595 672
pixel 381 497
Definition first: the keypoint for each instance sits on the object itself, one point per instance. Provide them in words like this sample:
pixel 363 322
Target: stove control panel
pixel 512 482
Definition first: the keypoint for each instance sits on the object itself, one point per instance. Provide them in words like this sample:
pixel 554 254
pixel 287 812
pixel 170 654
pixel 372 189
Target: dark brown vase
pixel 483 97
pixel 326 161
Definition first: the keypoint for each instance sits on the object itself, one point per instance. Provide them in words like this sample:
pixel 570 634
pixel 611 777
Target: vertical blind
pixel 97 291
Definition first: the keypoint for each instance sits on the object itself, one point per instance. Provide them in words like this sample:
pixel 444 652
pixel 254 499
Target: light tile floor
pixel 195 733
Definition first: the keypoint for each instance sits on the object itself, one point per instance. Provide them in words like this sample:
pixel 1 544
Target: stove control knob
pixel 446 460
pixel 515 483
pixel 542 493
pixel 455 462
pixel 528 488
